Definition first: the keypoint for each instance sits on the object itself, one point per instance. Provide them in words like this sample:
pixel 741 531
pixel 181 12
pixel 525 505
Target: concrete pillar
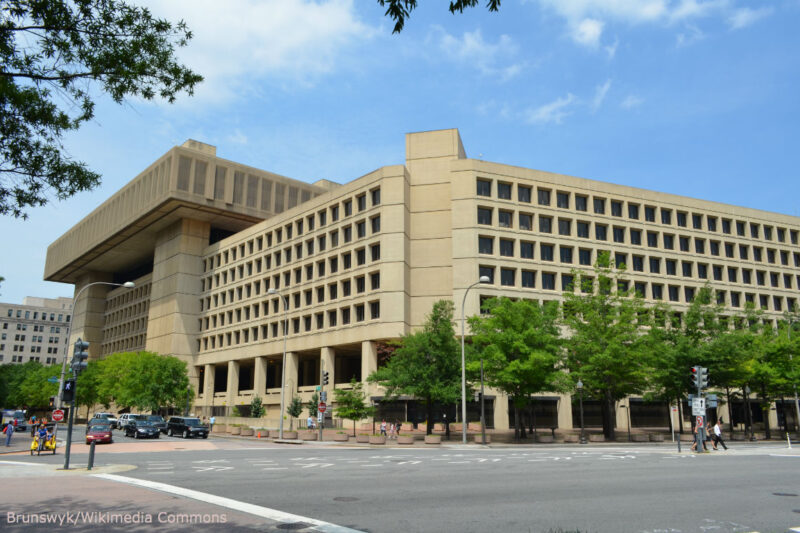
pixel 292 364
pixel 565 412
pixel 172 326
pixel 88 313
pixel 208 384
pixel 327 357
pixel 622 413
pixel 260 376
pixel 501 420
pixel 233 383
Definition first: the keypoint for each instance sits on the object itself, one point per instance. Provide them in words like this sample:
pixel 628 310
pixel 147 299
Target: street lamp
pixel 482 279
pixel 283 366
pixel 628 413
pixel 579 386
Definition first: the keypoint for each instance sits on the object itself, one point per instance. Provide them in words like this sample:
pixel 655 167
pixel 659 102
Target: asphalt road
pixel 526 489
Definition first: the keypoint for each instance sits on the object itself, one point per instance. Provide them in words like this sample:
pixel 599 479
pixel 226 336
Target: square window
pixel 583 230
pixel 581 202
pixel 507 277
pixel 546 252
pixel 633 211
pixel 616 208
pixel 600 232
pixel 666 216
pixel 543 196
pixel 484 216
pixel 600 206
pixel 681 219
pixel 562 200
pixel 528 279
pixel 585 256
pixel 649 213
pixel 548 281
pixel 636 237
pixel 619 234
pixel 566 254
pixel 674 294
pixel 545 224
pixel 504 219
pixel 526 250
pixel 504 191
pixel 524 194
pixel 485 245
pixel 564 226
pixel 486 271
pixel 525 221
pixel 506 248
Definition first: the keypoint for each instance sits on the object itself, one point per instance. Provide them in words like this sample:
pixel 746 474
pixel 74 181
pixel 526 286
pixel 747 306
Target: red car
pixel 100 433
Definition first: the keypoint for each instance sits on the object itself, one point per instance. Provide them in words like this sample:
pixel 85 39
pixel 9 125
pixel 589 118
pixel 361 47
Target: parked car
pixel 99 433
pixel 186 427
pixel 141 429
pixel 159 422
pixel 127 418
pixel 108 417
pixel 21 423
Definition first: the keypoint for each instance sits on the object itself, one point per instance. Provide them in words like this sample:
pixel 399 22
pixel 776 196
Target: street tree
pixel 520 346
pixel 313 405
pixel 605 347
pixel 294 410
pixel 351 404
pixel 257 407
pixel 427 364
pixel 400 10
pixel 144 380
pixel 35 390
pixel 56 57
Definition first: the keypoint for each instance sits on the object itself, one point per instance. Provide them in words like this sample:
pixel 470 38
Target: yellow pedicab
pixel 49 444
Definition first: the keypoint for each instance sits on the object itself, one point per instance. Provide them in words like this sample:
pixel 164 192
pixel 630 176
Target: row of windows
pixel 298 275
pixel 285 256
pixel 553 281
pixel 635 211
pixel 636 263
pixel 635 236
pixel 307 223
pixel 35 315
pixel 298 300
pixel 128 295
pixel 128 344
pixel 335 317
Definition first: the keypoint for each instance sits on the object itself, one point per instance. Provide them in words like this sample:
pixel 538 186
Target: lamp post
pixel 628 413
pixel 579 386
pixel 482 279
pixel 283 366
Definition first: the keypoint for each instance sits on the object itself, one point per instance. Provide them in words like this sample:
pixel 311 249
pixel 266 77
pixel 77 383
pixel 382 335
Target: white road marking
pixel 211 468
pixel 243 507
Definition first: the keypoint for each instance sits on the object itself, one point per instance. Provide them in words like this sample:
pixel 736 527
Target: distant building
pixel 206 239
pixel 37 330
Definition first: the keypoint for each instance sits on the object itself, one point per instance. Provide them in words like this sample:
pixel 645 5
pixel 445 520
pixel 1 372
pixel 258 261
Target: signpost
pixel 58 415
pixel 322 407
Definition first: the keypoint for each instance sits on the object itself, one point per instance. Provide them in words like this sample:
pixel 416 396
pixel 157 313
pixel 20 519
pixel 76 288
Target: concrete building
pixel 206 239
pixel 37 330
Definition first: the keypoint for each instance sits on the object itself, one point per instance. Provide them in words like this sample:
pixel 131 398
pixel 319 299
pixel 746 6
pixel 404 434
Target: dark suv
pixel 186 427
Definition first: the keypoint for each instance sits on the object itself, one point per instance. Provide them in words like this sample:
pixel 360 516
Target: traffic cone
pixel 259 434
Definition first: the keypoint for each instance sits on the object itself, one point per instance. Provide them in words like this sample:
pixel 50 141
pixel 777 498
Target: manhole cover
pixel 784 494
pixel 345 499
pixel 293 526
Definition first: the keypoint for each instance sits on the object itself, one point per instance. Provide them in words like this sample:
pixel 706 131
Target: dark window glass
pixel 633 211
pixel 548 281
pixel 740 228
pixel 747 276
pixel 732 274
pixel 600 232
pixel 669 241
pixel 784 257
pixel 543 196
pixel 600 206
pixel 636 237
pixel 652 239
pixel 528 279
pixel 562 200
pixel 619 234
pixel 621 260
pixel 567 283
pixel 674 294
pixel 697 221
pixel 545 224
pixel 793 234
pixel 713 247
pixel 666 216
pixel 736 299
pixel 376 224
pixel 504 219
pixel 348 208
pixel 638 263
pixel 546 252
pixel 566 254
pixel 361 229
pixel 683 243
pixel 564 226
pixel 526 250
pixel 717 272
pixel 681 219
pixel 376 198
pixel 583 230
pixel 655 265
pixel 773 279
pixel 787 281
pixel 764 301
pixel 650 214
pixel 507 277
pixel 658 291
pixel 506 248
pixel 686 267
pixel 760 277
pixel 712 223
pixel 361 256
pixel 781 235
pixel 524 194
pixel 768 232
pixel 728 249
pixel 688 293
pixel 362 202
pixel 525 221
pixel 743 251
pixel 702 271
pixel 640 289
pixel 485 245
pixel 486 271
pixel 580 203
pixel 770 256
pixel 757 253
pixel 585 256
pixel 484 215
pixel 616 208
pixel 671 267
pixel 504 191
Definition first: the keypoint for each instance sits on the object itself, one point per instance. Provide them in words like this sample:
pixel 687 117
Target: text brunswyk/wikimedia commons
pixel 99 517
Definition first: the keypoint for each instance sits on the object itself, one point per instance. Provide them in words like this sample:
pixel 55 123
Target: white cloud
pixel 553 112
pixel 600 93
pixel 611 49
pixel 587 32
pixel 744 17
pixel 690 36
pixel 288 41
pixel 237 137
pixel 491 59
pixel 631 101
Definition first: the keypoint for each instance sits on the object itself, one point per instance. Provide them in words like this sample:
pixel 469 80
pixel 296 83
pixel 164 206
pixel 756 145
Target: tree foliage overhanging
pixel 400 10
pixel 54 56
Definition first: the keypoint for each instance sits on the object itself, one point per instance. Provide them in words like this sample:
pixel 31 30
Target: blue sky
pixel 691 97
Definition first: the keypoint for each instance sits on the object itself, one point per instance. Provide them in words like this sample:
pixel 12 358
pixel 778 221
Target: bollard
pixel 91 455
pixel 788 440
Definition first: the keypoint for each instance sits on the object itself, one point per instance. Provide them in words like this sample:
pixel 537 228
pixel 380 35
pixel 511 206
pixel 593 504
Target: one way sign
pixel 68 394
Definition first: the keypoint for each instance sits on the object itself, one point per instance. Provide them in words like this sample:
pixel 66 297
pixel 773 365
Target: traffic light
pixel 324 377
pixel 702 377
pixel 323 396
pixel 68 394
pixel 52 401
pixel 79 357
pixel 695 376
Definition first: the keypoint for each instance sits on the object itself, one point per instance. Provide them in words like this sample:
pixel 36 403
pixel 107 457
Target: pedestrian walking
pixel 383 428
pixel 718 434
pixel 9 431
pixel 211 423
pixel 310 422
pixel 392 433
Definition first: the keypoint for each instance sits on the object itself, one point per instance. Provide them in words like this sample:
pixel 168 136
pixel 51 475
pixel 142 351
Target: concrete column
pixel 501 420
pixel 233 383
pixel 172 326
pixel 260 376
pixel 369 359
pixel 327 357
pixel 292 364
pixel 565 412
pixel 622 414
pixel 88 313
pixel 208 384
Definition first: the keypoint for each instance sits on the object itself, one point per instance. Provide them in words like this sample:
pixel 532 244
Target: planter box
pixel 377 439
pixel 433 439
pixel 363 439
pixel 544 439
pixel 220 428
pixel 308 435
pixel 597 438
pixel 274 433
pixel 235 430
pixel 571 438
pixel 639 437
pixel 656 437
pixel 247 432
pixel 405 439
pixel 289 435
pixel 341 437
pixel 479 439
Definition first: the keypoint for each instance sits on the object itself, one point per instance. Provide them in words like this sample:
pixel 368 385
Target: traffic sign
pixel 321 407
pixel 699 422
pixel 53 379
pixel 698 406
pixel 58 415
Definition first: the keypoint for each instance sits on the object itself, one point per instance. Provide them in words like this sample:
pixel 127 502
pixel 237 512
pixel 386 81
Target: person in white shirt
pixel 718 434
